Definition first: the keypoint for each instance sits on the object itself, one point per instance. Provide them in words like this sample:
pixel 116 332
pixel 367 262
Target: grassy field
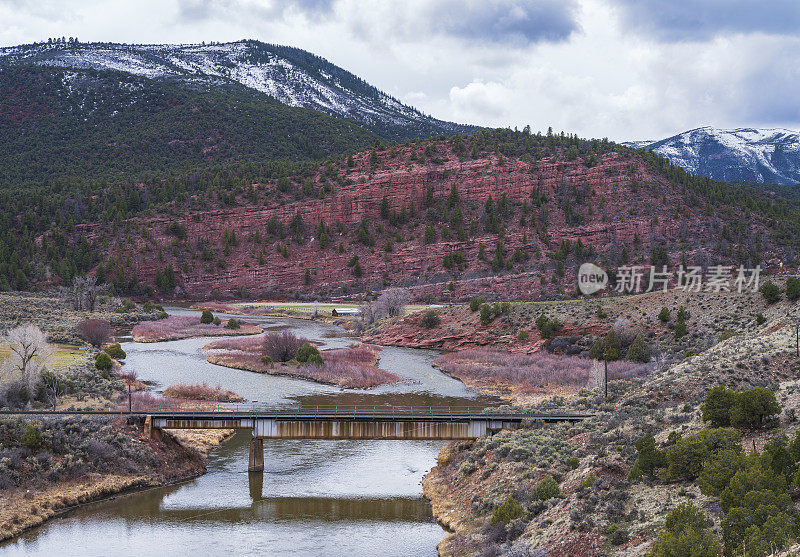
pixel 63 357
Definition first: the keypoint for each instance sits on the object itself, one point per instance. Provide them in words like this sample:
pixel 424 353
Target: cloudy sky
pixel 623 69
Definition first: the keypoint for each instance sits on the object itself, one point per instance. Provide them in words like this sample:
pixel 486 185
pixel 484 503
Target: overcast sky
pixel 623 69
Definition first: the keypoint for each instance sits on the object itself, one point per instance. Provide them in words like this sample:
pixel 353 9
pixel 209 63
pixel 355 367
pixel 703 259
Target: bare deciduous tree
pixel 625 329
pixel 83 293
pixel 391 303
pixel 29 354
pixel 54 385
pixel 282 346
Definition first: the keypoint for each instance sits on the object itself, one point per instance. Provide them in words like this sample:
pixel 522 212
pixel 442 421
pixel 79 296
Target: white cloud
pixel 492 100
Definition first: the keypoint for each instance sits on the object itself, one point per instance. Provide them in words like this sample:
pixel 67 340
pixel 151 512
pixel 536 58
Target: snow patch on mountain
pixel 767 155
pixel 291 76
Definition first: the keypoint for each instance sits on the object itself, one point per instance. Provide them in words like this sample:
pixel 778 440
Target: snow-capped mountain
pixel 292 76
pixel 769 155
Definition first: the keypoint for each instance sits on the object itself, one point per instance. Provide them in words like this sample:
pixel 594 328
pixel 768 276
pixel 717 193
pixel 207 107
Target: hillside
pixel 603 496
pixel 289 75
pixel 769 156
pixel 86 127
pixel 502 213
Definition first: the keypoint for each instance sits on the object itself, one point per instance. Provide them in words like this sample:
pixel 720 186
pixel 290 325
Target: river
pixel 317 498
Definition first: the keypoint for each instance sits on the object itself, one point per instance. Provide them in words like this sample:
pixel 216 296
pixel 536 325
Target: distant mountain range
pixel 292 76
pixel 768 155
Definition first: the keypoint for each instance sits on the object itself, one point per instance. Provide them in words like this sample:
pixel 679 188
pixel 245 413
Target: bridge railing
pixel 331 412
pixel 356 411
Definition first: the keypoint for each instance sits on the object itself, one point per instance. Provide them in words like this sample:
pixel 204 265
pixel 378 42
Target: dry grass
pixel 20 511
pixel 64 356
pixel 201 440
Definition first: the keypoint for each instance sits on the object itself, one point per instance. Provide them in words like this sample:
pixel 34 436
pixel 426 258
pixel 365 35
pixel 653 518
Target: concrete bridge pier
pixel 256 462
pixel 151 431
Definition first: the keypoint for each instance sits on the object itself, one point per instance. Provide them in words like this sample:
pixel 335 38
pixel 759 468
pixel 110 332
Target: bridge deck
pixel 324 414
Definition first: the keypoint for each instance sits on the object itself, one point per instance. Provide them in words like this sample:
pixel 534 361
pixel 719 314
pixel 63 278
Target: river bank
pixel 174 459
pixel 54 315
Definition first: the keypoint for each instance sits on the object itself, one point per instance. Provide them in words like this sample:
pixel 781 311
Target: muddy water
pixel 316 497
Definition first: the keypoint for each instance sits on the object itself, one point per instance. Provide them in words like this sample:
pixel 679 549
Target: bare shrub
pixel 252 343
pixel 99 449
pixel 282 346
pixel 358 354
pixel 54 386
pixel 96 332
pixel 201 392
pixel 143 401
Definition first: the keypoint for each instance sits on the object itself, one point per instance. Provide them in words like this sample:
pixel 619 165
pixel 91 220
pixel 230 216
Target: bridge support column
pixel 256 463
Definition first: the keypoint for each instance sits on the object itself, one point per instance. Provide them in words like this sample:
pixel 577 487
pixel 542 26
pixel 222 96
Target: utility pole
pixel 797 334
pixel 605 373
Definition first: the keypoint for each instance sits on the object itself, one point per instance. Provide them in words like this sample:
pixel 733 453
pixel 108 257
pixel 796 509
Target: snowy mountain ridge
pixel 767 155
pixel 292 76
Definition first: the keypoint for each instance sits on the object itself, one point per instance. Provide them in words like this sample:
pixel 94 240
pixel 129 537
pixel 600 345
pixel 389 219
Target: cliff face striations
pixel 447 226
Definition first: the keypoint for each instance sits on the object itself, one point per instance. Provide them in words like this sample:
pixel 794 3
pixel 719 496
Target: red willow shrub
pixel 242 344
pixel 143 401
pixel 282 346
pixel 350 375
pixel 357 354
pixel 96 332
pixel 531 370
pixel 201 392
pixel 164 328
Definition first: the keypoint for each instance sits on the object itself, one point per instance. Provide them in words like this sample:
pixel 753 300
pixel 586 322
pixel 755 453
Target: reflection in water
pixel 315 497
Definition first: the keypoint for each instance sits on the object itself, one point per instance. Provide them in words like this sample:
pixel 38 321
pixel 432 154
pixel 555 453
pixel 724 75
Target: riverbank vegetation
pixel 51 465
pixel 55 313
pixel 187 326
pixel 526 374
pixel 283 353
pixel 201 392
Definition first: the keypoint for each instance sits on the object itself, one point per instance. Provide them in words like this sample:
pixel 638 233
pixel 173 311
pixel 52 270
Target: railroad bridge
pixel 399 423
